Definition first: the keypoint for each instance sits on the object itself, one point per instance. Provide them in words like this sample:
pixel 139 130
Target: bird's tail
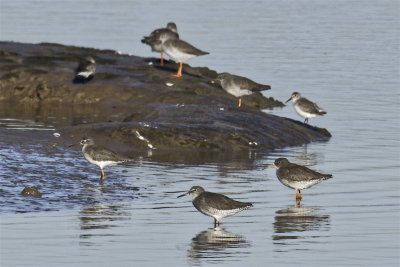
pixel 262 87
pixel 327 176
pixel 202 53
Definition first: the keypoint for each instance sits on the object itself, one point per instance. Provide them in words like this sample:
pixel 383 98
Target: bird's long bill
pixel 74 144
pixel 183 194
pixel 216 81
pixel 288 100
pixel 271 165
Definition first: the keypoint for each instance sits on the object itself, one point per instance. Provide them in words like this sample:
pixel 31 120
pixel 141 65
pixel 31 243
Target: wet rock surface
pixel 135 103
pixel 31 191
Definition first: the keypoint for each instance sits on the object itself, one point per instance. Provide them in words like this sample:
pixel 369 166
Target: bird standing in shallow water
pixel 153 40
pixel 239 86
pixel 296 176
pixel 215 205
pixel 304 107
pixel 99 155
pixel 85 71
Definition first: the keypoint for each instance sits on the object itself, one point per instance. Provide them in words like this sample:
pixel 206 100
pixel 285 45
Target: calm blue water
pixel 344 55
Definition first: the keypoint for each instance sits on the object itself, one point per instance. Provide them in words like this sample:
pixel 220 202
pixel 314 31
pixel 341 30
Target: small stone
pixel 31 191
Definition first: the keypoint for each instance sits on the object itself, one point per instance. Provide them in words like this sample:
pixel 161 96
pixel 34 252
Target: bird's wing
pixel 222 202
pixel 245 83
pixel 101 153
pixel 188 48
pixel 310 107
pixel 156 34
pixel 301 173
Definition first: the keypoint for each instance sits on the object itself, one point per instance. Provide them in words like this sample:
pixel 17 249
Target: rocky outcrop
pixel 132 99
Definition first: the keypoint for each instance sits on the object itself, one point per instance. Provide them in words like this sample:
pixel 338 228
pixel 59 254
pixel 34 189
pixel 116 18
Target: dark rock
pixel 29 66
pixel 167 126
pixel 31 191
pixel 128 95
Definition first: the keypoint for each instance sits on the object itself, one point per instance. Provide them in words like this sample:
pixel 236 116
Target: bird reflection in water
pixel 294 225
pixel 216 245
pixel 97 218
pixel 306 158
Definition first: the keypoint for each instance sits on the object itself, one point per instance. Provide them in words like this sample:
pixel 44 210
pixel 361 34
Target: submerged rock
pixel 31 191
pixel 128 96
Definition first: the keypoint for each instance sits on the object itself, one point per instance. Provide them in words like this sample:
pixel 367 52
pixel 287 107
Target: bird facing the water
pixel 239 86
pixel 99 155
pixel 296 176
pixel 153 40
pixel 304 107
pixel 215 205
pixel 85 71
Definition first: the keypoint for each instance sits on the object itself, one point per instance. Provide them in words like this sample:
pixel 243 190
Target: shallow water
pixel 344 55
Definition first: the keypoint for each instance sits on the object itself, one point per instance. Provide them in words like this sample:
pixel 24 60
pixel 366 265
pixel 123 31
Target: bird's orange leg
pixel 298 196
pixel 161 59
pixel 179 73
pixel 102 175
pixel 239 102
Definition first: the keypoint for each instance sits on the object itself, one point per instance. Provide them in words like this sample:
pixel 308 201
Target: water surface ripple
pixel 344 55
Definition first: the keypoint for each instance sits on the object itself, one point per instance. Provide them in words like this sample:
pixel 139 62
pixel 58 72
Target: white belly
pixel 299 184
pixel 101 164
pixel 219 214
pixel 85 74
pixel 236 91
pixel 177 54
pixel 304 114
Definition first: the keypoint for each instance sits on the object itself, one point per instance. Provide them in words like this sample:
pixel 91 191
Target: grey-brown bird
pixel 153 40
pixel 239 86
pixel 179 51
pixel 215 205
pixel 99 155
pixel 304 107
pixel 296 176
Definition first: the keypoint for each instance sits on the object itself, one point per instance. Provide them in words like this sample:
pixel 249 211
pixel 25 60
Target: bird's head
pixel 194 192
